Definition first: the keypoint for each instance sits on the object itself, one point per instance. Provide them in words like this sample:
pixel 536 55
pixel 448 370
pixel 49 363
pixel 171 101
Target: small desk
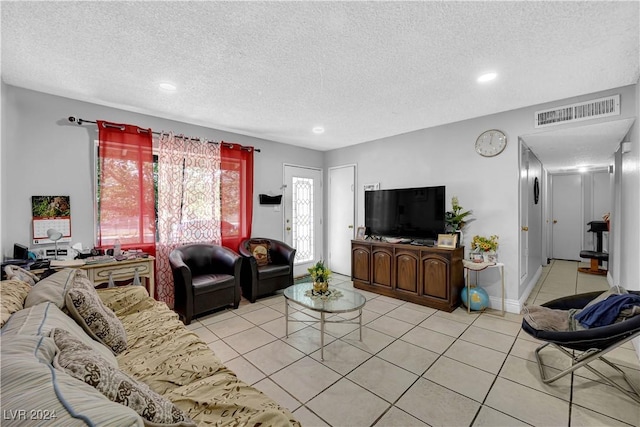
pixel 100 273
pixel 470 265
pixel 123 270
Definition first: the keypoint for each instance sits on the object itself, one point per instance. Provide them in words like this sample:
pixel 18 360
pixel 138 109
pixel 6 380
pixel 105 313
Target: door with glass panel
pixel 303 215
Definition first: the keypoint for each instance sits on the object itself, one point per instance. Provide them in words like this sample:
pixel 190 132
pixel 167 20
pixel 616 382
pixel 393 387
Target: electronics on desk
pixel 52 252
pixel 20 251
pixel 40 264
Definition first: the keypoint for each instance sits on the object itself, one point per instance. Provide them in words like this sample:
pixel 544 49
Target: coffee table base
pixel 322 320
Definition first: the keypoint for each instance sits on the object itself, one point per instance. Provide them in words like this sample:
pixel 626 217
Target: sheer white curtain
pixel 188 201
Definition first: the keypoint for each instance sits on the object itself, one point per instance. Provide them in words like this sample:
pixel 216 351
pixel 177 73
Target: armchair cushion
pixel 201 284
pixel 272 270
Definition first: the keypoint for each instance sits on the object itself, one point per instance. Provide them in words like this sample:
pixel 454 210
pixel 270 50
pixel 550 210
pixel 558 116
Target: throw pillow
pixel 260 251
pixel 51 289
pixel 19 273
pixel 32 386
pixel 79 361
pixel 87 309
pixel 12 295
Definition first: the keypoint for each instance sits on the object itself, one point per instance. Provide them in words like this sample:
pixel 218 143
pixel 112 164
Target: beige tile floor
pixel 417 366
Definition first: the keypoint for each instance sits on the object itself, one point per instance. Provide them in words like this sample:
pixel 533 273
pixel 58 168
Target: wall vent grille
pixel 594 109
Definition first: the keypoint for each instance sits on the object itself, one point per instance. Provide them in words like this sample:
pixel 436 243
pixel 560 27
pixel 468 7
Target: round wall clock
pixel 491 143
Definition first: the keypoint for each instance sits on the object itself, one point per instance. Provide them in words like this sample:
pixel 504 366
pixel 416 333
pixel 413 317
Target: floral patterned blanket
pixel 177 364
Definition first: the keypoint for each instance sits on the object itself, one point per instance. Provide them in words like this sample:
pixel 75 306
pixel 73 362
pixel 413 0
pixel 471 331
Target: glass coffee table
pixel 332 303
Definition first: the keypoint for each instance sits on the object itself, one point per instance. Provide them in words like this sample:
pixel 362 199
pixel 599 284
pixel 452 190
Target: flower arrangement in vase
pixel 320 275
pixel 487 246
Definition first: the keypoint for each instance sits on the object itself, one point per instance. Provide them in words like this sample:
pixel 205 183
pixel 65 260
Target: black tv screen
pixel 415 213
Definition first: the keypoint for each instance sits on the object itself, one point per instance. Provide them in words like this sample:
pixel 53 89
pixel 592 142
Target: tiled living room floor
pixel 418 366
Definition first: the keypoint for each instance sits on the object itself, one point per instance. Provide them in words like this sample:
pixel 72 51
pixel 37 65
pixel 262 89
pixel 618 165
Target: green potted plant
pixel 456 218
pixel 320 275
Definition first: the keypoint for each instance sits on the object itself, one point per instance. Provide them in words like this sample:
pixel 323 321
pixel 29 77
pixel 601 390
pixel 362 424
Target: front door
pixel 341 217
pixel 567 216
pixel 303 215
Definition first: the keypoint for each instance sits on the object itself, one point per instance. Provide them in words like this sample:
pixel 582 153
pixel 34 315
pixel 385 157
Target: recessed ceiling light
pixel 169 87
pixel 487 77
pixel 318 130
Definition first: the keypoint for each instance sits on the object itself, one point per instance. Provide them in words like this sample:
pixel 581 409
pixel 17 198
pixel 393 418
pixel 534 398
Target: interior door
pixel 524 212
pixel 567 216
pixel 303 215
pixel 341 217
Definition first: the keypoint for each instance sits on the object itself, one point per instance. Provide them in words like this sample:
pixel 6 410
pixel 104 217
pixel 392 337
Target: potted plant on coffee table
pixel 320 275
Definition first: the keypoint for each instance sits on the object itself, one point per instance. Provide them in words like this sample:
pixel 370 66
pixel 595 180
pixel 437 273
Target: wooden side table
pixel 477 267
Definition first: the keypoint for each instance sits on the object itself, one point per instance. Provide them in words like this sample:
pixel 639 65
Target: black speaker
pixel 20 251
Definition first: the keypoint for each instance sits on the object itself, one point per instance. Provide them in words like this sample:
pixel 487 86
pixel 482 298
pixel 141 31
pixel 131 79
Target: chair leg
pixel 583 360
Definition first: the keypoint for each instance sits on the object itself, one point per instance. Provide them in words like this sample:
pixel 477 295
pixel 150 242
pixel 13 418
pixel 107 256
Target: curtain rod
pixel 80 122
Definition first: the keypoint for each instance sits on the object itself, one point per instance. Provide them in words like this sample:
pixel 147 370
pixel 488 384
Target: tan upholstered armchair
pixel 267 268
pixel 206 277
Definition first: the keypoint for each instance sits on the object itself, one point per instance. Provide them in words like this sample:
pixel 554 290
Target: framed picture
pixel 372 187
pixel 360 233
pixel 447 240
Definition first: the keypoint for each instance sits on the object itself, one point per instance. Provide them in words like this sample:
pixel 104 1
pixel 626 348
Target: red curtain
pixel 126 195
pixel 236 192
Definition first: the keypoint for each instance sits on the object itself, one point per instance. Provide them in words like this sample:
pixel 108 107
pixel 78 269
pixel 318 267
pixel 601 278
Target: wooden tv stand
pixel 423 275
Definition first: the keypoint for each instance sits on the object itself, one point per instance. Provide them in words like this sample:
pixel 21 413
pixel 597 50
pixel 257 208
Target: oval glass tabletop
pixel 336 300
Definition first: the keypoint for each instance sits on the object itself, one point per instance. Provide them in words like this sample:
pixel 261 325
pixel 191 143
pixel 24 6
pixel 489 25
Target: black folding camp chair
pixel 588 345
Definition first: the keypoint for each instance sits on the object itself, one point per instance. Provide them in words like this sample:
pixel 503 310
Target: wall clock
pixel 491 143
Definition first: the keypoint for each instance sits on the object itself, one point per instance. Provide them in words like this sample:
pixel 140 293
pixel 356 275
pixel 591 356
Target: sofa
pixel 74 355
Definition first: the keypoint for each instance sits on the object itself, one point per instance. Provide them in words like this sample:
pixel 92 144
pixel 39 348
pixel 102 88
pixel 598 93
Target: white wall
pixel 445 155
pixel 629 275
pixel 630 202
pixel 3 137
pixel 43 154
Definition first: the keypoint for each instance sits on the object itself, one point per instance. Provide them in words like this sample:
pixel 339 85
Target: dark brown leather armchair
pixel 257 281
pixel 206 277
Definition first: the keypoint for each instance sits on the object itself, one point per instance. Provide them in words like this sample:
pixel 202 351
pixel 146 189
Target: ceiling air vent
pixel 594 109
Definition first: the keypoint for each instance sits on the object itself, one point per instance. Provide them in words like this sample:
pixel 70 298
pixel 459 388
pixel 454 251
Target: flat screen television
pixel 414 213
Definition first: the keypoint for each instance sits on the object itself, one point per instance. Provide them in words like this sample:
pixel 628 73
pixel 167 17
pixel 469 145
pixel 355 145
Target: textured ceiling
pixel 363 70
pixel 591 146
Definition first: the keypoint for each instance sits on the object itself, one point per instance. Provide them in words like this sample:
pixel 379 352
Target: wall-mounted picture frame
pixel 447 240
pixel 372 187
pixel 360 233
